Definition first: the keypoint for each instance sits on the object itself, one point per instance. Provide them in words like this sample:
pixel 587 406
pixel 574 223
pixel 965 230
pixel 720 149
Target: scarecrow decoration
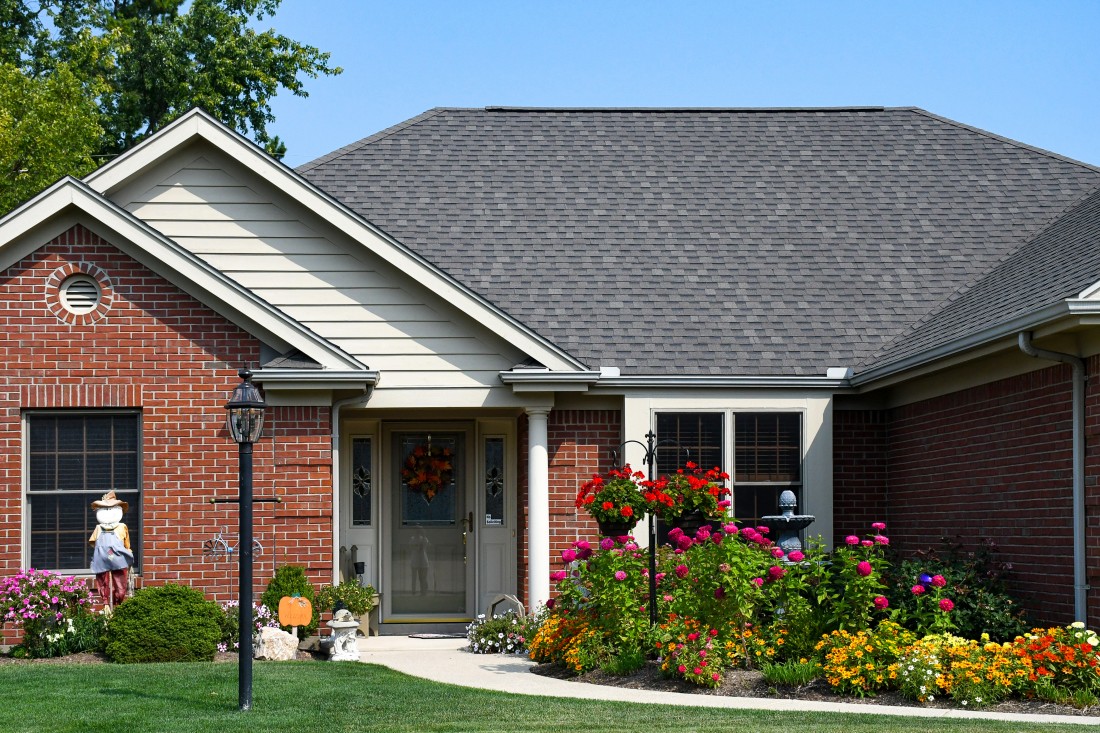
pixel 112 557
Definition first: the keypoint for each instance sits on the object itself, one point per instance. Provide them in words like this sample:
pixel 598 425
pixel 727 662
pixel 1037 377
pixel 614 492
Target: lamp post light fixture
pixel 245 421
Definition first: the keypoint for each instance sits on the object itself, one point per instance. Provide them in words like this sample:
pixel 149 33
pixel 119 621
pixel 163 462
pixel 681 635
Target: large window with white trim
pixel 72 459
pixel 763 456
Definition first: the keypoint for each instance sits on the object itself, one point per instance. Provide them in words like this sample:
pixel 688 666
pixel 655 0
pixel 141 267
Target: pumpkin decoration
pixel 295 611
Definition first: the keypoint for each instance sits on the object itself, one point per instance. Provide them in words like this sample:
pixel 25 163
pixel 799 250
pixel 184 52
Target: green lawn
pixel 318 696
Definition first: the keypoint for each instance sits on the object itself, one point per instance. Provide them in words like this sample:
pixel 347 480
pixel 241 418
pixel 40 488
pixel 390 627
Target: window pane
pixel 494 482
pixel 362 477
pixel 767 447
pixel 72 460
pixel 688 436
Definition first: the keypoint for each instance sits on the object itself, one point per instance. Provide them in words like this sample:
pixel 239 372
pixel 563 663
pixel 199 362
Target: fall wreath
pixel 428 470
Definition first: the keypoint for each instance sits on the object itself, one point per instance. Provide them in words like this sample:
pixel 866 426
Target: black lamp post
pixel 650 459
pixel 245 422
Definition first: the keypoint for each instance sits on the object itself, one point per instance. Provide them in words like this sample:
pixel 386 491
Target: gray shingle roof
pixel 730 242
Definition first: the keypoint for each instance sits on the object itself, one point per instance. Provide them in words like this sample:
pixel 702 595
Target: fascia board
pixel 539 380
pixel 379 243
pixel 723 382
pixel 168 259
pixel 1026 322
pixel 317 379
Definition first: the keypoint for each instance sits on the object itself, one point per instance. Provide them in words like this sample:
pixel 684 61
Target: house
pixel 458 320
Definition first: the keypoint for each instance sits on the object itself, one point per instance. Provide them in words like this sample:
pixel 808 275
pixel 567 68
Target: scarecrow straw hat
pixel 109 499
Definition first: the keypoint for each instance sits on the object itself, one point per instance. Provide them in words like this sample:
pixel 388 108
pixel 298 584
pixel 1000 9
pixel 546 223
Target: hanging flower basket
pixel 613 499
pixel 689 490
pixel 428 470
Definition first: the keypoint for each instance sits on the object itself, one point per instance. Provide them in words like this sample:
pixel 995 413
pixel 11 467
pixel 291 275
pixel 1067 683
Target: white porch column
pixel 538 508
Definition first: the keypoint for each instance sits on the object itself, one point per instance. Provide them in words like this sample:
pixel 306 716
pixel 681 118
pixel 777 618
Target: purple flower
pixel 852 539
pixel 584 553
pixel 607 543
pixel 620 575
pixel 719 593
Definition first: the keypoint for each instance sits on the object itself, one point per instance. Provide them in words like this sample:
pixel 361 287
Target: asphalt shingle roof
pixel 696 242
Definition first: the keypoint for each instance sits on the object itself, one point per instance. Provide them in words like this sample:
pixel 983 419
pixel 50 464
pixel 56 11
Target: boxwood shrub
pixel 169 623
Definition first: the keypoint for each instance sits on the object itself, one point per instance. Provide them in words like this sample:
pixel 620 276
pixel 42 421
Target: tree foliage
pixel 49 127
pixel 145 62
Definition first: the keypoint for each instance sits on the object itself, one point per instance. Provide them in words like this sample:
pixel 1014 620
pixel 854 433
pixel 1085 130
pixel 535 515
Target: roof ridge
pixel 1003 139
pixel 853 108
pixel 370 139
pixel 974 282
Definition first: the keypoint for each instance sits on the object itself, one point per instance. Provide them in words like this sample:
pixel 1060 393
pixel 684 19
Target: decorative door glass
pixel 430 525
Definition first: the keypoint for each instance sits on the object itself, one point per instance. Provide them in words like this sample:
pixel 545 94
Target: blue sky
pixel 1025 70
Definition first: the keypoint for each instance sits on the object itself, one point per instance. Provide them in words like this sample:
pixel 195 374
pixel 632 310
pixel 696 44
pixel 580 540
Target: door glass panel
pixel 361 482
pixel 429 552
pixel 494 481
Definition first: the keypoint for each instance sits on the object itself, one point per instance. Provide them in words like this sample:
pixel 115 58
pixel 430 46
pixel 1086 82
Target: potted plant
pixel 688 498
pixel 358 599
pixel 614 500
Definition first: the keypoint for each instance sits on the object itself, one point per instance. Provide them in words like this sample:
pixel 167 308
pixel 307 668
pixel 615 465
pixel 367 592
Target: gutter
pixel 1080 586
pixel 336 475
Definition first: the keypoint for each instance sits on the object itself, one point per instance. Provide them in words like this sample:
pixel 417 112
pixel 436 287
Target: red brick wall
pixel 158 350
pixel 581 442
pixel 859 471
pixel 992 461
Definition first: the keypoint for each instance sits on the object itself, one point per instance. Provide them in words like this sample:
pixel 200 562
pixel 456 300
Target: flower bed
pixel 729 598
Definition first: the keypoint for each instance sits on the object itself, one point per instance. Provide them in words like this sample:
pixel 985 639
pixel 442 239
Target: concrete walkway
pixel 445 660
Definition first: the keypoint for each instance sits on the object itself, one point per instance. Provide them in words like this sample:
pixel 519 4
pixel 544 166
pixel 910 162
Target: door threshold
pixel 452 630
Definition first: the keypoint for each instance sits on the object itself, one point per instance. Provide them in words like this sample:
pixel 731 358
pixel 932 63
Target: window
pixel 494 480
pixel 72 459
pixel 763 459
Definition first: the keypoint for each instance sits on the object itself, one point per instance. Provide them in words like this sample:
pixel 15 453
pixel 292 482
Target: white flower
pixel 1077 625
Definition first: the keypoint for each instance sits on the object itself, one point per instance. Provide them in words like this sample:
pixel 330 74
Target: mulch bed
pixel 750 683
pixel 97 658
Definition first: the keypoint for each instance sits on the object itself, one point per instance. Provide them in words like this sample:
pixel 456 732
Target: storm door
pixel 430 566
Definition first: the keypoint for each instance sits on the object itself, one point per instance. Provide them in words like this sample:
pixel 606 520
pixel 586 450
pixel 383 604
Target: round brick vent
pixel 78 293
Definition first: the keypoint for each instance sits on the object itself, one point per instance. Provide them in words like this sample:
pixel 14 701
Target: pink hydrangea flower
pixel 946 604
pixel 864 568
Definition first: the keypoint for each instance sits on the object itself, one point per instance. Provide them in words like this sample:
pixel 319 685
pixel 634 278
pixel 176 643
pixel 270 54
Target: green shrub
pixel 359 599
pixel 291 580
pixel 976 584
pixel 169 623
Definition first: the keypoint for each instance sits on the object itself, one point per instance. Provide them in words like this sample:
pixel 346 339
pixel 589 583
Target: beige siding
pixel 318 277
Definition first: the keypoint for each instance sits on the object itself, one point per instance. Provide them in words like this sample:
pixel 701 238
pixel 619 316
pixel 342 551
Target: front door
pixel 429 572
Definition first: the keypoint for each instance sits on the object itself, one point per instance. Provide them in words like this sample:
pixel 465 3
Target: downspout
pixel 1080 587
pixel 336 407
